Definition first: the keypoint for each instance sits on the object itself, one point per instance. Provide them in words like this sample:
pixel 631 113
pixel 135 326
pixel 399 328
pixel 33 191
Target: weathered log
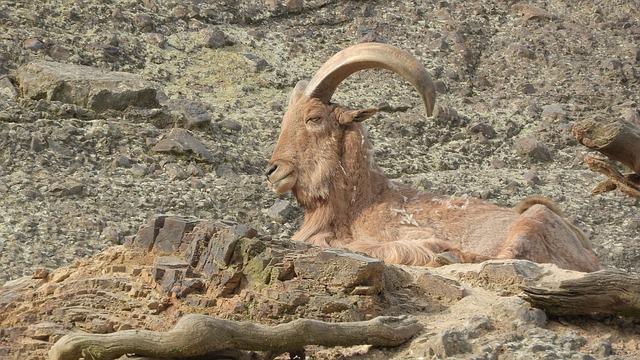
pixel 618 140
pixel 606 292
pixel 197 335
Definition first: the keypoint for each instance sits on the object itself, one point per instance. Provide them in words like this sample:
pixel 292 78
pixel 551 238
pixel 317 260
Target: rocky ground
pixel 75 180
pixel 80 172
pixel 176 266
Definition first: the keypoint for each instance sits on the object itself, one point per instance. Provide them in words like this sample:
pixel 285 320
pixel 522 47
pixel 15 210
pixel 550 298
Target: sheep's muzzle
pixel 281 176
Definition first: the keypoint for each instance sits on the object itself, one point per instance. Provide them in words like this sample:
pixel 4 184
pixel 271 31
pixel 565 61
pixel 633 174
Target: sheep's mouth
pixel 280 184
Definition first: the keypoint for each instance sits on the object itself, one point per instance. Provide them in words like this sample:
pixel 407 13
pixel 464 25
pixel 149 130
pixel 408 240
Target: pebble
pixel 40 273
pixel 143 22
pixel 554 111
pixel 483 128
pixel 533 149
pixel 532 178
pixel 259 64
pixel 33 44
pixel 280 211
pixel 230 124
pixel 214 39
pixel 521 51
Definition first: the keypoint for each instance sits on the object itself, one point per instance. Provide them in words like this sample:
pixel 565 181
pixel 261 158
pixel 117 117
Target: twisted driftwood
pixel 628 184
pixel 606 292
pixel 200 335
pixel 618 140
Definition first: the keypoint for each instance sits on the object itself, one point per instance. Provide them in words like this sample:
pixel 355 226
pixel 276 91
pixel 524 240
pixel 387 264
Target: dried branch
pixel 197 335
pixel 628 184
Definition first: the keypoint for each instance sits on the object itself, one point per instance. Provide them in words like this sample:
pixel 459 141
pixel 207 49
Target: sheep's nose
pixel 271 168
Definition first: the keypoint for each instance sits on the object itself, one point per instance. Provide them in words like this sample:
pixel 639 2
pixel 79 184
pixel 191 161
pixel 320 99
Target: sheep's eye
pixel 315 119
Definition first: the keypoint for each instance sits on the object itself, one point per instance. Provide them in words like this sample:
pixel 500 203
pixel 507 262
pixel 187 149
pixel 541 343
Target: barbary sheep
pixel 323 156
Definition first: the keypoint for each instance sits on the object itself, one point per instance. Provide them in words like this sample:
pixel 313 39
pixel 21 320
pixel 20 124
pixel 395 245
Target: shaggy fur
pixel 324 157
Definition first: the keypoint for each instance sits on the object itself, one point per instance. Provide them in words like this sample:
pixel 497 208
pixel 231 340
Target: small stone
pixel 59 53
pixel 152 305
pixel 259 64
pixel 7 89
pixel 214 38
pixel 482 128
pixel 38 143
pixel 572 341
pixel 225 171
pixel 532 178
pixel 180 11
pixel 138 170
pixel 478 325
pixel 533 149
pixel 176 172
pixel 293 5
pixel 497 163
pixel 181 141
pixel 439 287
pixel 446 115
pixel 280 211
pixel 532 316
pixel 67 188
pixel 520 51
pixel 44 330
pixel 448 343
pixel 194 170
pixel 371 36
pixel 121 162
pixel 40 273
pixel 197 183
pixel 539 347
pixel 528 89
pixel 554 111
pixel 111 235
pixel 33 44
pixel 287 6
pixel 157 38
pixel 143 22
pixel 334 305
pixel 230 124
pixel 194 113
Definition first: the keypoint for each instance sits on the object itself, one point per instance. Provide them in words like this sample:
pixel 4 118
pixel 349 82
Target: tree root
pixel 199 335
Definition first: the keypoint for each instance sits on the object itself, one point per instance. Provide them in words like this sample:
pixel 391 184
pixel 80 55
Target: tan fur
pixel 528 202
pixel 324 157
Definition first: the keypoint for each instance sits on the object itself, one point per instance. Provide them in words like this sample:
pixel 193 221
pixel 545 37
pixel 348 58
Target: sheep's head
pixel 310 146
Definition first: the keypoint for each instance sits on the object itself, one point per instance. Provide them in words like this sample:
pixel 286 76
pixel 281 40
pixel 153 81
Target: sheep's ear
pixel 349 116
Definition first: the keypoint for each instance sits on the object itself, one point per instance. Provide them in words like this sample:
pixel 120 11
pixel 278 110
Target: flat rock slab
pixel 181 141
pixel 86 86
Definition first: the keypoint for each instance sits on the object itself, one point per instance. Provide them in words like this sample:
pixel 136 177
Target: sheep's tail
pixel 528 202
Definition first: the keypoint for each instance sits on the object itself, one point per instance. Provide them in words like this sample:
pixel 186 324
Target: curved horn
pixel 368 56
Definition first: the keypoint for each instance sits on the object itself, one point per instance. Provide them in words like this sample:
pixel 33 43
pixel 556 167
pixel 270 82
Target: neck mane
pixel 357 184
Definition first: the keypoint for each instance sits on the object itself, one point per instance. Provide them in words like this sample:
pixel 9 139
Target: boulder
pixel 86 86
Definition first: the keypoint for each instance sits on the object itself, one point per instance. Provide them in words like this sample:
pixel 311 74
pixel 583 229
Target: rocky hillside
pixel 78 176
pixel 115 111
